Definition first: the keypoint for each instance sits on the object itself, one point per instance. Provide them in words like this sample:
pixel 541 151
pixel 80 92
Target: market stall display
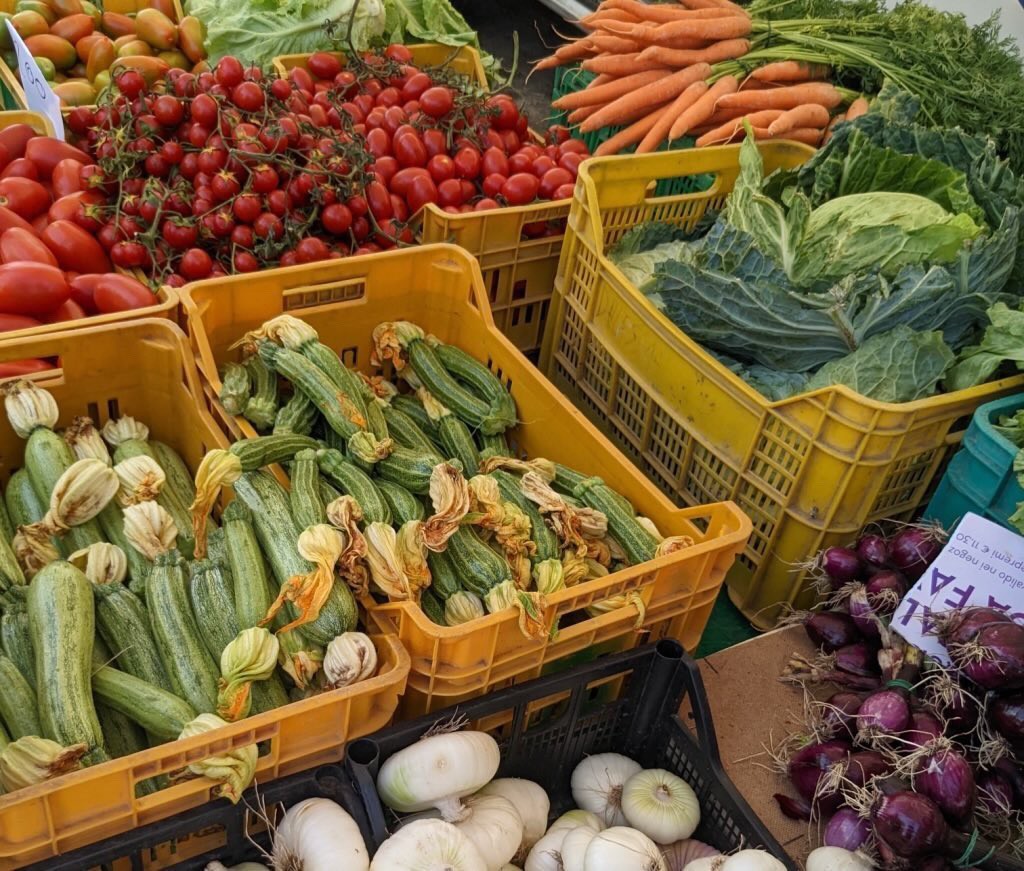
pixel 138 668
pixel 343 304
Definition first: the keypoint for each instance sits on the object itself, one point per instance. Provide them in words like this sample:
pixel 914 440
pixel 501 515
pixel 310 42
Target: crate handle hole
pixel 364 752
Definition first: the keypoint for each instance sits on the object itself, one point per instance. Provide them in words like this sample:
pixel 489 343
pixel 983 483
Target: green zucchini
pixel 406 431
pixel 432 607
pixel 17 702
pixel 17 641
pixel 192 672
pixel 474 375
pixel 261 407
pixel 272 521
pixel 472 409
pixel 444 580
pixel 217 550
pixel 213 605
pixel 262 451
pixel 22 501
pixel 268 694
pixel 235 387
pixel 178 484
pixel 162 714
pixel 297 416
pixel 402 504
pixel 567 480
pixel 10 571
pixel 129 438
pixel 477 566
pixel 304 496
pixel 409 468
pixel 7 528
pixel 541 534
pixel 355 483
pixel 328 492
pixel 62 623
pixel 111 520
pixel 343 378
pixel 413 408
pixel 47 457
pixel 493 445
pixel 638 544
pixel 123 624
pixel 454 437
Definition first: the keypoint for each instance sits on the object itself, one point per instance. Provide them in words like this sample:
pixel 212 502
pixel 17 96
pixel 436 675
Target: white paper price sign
pixel 38 92
pixel 981 564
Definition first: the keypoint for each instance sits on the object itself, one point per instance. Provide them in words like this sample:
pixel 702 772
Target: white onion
pixel 511 868
pixel 597 785
pixel 532 803
pixel 437 771
pixel 623 849
pixel 682 853
pixel 661 805
pixel 704 863
pixel 837 859
pixel 574 847
pixel 426 845
pixel 546 854
pixel 752 860
pixel 494 826
pixel 318 835
pixel 572 819
pixel 241 866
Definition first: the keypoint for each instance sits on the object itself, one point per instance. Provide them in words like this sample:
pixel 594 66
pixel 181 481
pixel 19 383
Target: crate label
pixel 981 564
pixel 38 93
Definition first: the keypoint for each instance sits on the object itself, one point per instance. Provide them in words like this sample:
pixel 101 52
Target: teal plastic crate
pixel 568 80
pixel 980 477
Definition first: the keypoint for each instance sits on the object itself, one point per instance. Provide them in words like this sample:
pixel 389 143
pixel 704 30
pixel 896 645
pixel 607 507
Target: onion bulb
pixel 623 849
pixel 704 863
pixel 532 803
pixel 837 859
pixel 571 819
pixel 682 853
pixel 426 845
pixel 574 847
pixel 318 835
pixel 494 826
pixel 661 805
pixel 437 771
pixel 241 866
pixel 752 860
pixel 598 782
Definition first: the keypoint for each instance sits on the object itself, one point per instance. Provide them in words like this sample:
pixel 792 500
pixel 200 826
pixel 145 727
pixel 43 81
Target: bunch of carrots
pixel 669 70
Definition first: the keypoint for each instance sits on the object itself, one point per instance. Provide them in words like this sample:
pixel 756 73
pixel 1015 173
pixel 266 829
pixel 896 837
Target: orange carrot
pixel 631 134
pixel 726 131
pixel 614 44
pixel 808 115
pixel 596 20
pixel 724 27
pixel 656 135
pixel 601 80
pixel 664 13
pixel 836 119
pixel 621 64
pixel 749 84
pixel 712 4
pixel 791 71
pixel 788 97
pixel 726 49
pixel 609 92
pixel 576 116
pixel 575 50
pixel 660 91
pixel 704 108
pixel 857 108
pixel 806 135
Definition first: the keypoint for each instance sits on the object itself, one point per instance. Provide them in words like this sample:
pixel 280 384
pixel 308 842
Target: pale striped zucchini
pixel 249 581
pixel 261 407
pixel 10 571
pixel 567 480
pixel 413 408
pixel 444 579
pixel 328 492
pixel 213 605
pixel 409 468
pixel 162 714
pixel 7 528
pixel 217 550
pixel 432 607
pixel 111 520
pixel 47 457
pixel 269 694
pixel 356 483
pixel 272 521
pixel 344 379
pixel 123 624
pixel 477 566
pixel 16 639
pixel 22 501
pixel 475 375
pixel 304 496
pixel 493 445
pixel 407 432
pixel 297 416
pixel 62 623
pixel 235 387
pixel 402 504
pixel 638 544
pixel 541 534
pixel 17 702
pixel 262 451
pixel 376 422
pixel 471 408
pixel 455 439
pixel 188 664
pixel 178 484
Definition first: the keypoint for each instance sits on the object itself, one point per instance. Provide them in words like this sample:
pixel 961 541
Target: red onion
pixel 934 863
pixel 809 764
pixel 831 630
pixel 960 714
pixel 994 659
pixel 793 808
pixel 1007 716
pixel 914 548
pixel 864 765
pixel 995 792
pixel 959 627
pixel 1014 775
pixel 885 591
pixel 947 779
pixel 873 551
pixel 911 825
pixel 858 658
pixel 863 612
pixel 847 830
pixel 840 714
pixel 842 565
pixel 923 728
pixel 885 711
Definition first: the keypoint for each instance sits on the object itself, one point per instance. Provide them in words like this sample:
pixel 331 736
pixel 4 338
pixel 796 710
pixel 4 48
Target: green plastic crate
pixel 568 80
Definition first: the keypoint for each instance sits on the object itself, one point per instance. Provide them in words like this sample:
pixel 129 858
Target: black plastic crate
pixel 625 703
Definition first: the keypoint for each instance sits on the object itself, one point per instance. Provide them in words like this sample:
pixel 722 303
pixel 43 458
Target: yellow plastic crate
pixel 9 77
pixel 518 272
pixel 439 287
pixel 810 471
pixel 144 368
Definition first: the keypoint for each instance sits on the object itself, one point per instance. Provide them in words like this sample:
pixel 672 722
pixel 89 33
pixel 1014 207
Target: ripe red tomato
pixel 16 322
pixel 437 101
pixel 129 255
pixel 494 160
pixel 21 167
pixel 388 98
pixel 378 142
pixel 410 150
pixel 195 264
pixel 66 178
pixel 574 146
pixel 248 96
pixel 467 162
pixel 224 185
pixel 70 207
pixel 493 184
pixel 542 165
pixel 422 190
pixel 552 180
pixel 441 168
pixel 69 311
pixel 245 261
pixel 401 180
pixel 571 161
pixel 229 72
pixel 16 137
pixel 179 234
pixel 263 178
pixel 10 219
pixel 204 111
pixel 323 65
pixel 520 189
pixel 34 289
pixel 168 110
pixel 46 153
pixel 23 196
pixel 449 193
pixel 130 83
pixel 119 293
pixel 246 208
pixel 505 112
pixel 336 218
pixel 415 85
pixel 83 289
pixel 565 192
pixel 311 249
pixel 267 224
pixel 398 53
pixel 520 162
pixel 17 244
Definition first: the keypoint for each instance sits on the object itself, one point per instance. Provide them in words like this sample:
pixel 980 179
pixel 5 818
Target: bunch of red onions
pixel 906 760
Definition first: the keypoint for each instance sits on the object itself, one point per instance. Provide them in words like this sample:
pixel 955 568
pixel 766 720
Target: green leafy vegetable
pixel 1011 427
pixel 1003 342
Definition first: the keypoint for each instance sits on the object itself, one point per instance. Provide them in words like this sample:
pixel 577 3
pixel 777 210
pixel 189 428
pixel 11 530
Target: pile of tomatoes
pixel 51 268
pixel 231 171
